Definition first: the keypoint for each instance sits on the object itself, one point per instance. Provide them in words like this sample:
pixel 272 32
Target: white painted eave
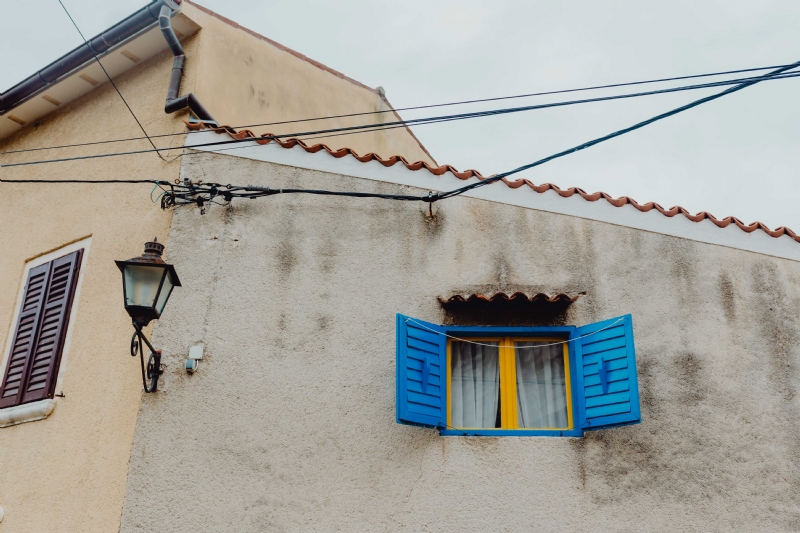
pixel 116 60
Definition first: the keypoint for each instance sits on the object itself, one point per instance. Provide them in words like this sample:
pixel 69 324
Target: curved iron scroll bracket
pixel 154 368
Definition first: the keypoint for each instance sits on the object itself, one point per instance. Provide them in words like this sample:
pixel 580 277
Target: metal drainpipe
pixel 174 102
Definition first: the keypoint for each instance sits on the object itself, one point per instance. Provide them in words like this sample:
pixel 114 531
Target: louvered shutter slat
pixel 421 370
pixel 607 383
pixel 43 365
pixel 32 304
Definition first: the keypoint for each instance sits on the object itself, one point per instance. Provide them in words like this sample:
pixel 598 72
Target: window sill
pixel 510 433
pixel 27 412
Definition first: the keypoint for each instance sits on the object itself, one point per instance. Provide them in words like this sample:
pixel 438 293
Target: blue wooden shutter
pixel 607 389
pixel 421 374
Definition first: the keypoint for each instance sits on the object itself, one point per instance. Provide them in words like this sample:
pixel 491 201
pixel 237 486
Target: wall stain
pixel 728 298
pixel 621 464
pixel 434 225
pixel 327 252
pixel 687 372
pixel 287 257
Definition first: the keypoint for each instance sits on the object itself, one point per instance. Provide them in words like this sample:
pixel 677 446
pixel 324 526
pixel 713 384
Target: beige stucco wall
pixel 289 422
pixel 67 473
pixel 246 80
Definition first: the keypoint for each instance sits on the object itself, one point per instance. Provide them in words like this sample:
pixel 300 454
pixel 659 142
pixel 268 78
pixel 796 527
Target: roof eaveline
pixel 515 184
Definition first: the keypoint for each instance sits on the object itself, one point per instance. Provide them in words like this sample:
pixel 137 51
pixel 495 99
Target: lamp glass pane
pixel 166 290
pixel 141 284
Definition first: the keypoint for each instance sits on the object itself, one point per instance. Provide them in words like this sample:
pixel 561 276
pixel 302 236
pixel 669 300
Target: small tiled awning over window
pixel 512 307
pixel 537 297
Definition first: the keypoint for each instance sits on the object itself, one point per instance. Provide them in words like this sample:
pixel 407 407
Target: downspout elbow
pixel 174 102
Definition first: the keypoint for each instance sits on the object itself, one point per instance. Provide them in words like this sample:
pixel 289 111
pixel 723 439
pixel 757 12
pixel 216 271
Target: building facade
pixel 70 392
pixel 322 319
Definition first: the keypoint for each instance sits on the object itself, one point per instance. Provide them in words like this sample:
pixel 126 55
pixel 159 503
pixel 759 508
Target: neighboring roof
pixel 309 60
pixel 517 297
pixel 543 188
pixel 279 45
pixel 121 47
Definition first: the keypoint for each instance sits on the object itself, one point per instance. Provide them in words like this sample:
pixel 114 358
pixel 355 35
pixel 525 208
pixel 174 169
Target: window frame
pixel 42 408
pixel 517 333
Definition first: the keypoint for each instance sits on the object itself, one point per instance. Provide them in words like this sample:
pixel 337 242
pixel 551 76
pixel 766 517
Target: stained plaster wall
pixel 67 473
pixel 289 422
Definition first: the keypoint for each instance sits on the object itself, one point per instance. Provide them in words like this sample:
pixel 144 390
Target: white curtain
pixel 541 386
pixel 475 385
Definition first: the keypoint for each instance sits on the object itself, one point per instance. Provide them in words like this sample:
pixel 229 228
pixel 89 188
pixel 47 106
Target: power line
pixel 561 91
pixel 78 181
pixel 621 132
pixel 482 100
pixel 228 192
pixel 421 121
pixel 112 81
pixel 181 195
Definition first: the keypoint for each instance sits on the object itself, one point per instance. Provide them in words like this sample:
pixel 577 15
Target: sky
pixel 737 156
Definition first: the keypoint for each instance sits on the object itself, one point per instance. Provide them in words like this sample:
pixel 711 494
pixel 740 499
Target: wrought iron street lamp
pixel 147 283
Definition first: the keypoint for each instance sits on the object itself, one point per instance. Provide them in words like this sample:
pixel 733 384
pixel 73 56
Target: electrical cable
pixel 435 120
pixel 618 133
pixel 741 83
pixel 482 100
pixel 209 152
pixel 229 191
pixel 112 81
pixel 90 182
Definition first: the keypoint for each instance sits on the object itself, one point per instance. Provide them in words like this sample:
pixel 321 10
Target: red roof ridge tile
pixel 466 174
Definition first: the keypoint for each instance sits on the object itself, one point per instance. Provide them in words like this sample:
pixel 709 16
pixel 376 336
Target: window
pixel 40 330
pixel 538 381
pixel 508 383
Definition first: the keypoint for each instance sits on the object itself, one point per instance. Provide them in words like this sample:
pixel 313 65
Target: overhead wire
pixel 111 80
pixel 618 133
pixel 229 191
pixel 391 110
pixel 420 121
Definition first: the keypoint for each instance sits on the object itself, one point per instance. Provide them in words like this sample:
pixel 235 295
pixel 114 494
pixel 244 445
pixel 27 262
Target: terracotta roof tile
pixel 517 296
pixel 467 174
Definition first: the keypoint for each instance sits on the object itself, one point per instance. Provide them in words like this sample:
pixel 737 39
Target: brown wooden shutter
pixel 25 333
pixel 41 329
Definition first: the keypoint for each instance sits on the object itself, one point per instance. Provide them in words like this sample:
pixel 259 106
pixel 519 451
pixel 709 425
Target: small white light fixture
pixel 195 355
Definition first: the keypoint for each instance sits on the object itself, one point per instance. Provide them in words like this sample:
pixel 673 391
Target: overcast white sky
pixel 737 156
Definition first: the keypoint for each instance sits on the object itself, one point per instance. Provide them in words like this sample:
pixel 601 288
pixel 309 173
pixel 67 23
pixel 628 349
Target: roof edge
pixel 399 119
pixel 541 189
pixel 278 45
pixel 97 46
pixel 307 59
